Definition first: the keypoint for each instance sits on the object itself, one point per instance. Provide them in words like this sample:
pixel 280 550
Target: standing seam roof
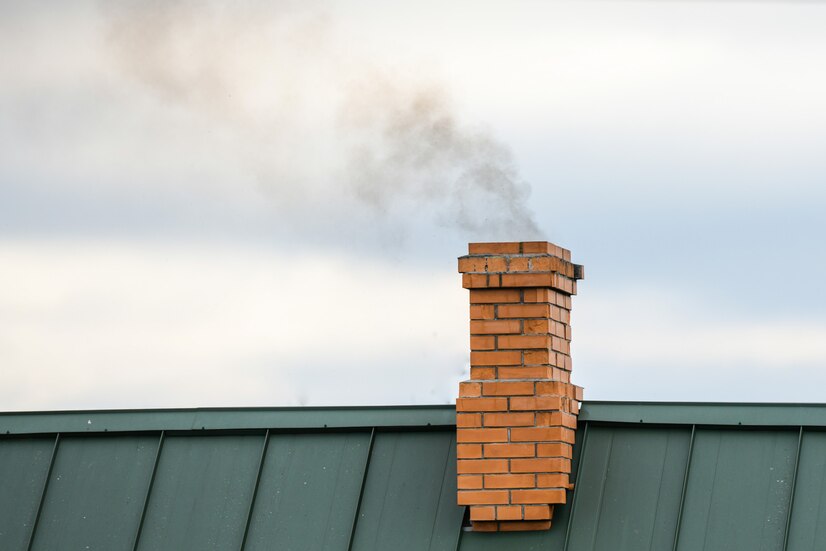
pixel 647 476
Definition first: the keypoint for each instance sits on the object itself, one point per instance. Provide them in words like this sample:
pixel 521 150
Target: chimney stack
pixel 516 416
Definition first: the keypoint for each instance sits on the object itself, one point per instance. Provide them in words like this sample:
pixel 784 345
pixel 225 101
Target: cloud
pixel 105 324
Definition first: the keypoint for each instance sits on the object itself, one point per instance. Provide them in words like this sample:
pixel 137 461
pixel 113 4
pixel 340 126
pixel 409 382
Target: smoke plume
pixel 316 119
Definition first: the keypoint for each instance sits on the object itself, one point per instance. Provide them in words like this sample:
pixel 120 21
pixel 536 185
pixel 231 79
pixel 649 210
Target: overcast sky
pixel 262 203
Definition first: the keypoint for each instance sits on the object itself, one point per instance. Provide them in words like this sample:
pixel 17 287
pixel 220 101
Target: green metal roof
pixel 647 477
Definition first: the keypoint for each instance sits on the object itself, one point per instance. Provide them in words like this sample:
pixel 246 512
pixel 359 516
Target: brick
pixel 495 327
pixel 481 466
pixel 537 357
pixel 528 280
pixel 537 496
pixel 555 480
pixel 510 357
pixel 575 408
pixel 524 341
pixel 509 450
pixel 472 264
pixel 578 392
pixel 477 281
pixel 538 512
pixel 469 482
pixel 526 372
pixel 494 296
pixel 537 327
pixel 497 481
pixel 482 373
pixel 495 248
pixel 482 513
pixel 560 345
pixel 537 295
pixel 482 343
pixel 464 420
pixel 522 419
pixel 481 311
pixel 547 434
pixel 537 247
pixel 484 497
pixel 485 526
pixel 554 449
pixel 481 435
pixel 551 388
pixel 548 264
pixel 523 311
pixel 509 512
pixel 524 525
pixel 519 264
pixel 541 465
pixel 497 264
pixel 555 419
pixel 524 403
pixel 508 388
pixel 481 404
pixel 469 451
pixel 469 389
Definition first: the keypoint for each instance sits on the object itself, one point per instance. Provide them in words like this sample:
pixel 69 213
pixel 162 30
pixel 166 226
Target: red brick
pixel 560 345
pixel 578 392
pixel 497 264
pixel 537 247
pixel 538 512
pixel 537 327
pixel 508 388
pixel 555 480
pixel 522 419
pixel 468 420
pixel 524 403
pixel 495 327
pixel 523 311
pixel 469 451
pixel 524 341
pixel 495 248
pixel 537 295
pixel 541 465
pixel 509 450
pixel 551 388
pixel 477 281
pixel 481 466
pixel 481 435
pixel 469 482
pixel 509 512
pixel 511 357
pixel 548 264
pixel 482 373
pixel 482 513
pixel 526 372
pixel 554 449
pixel 555 419
pixel 547 434
pixel 524 525
pixel 538 496
pixel 484 497
pixel 484 526
pixel 472 264
pixel 510 481
pixel 469 389
pixel 538 357
pixel 528 280
pixel 494 296
pixel 519 264
pixel 481 404
pixel 481 311
pixel 482 343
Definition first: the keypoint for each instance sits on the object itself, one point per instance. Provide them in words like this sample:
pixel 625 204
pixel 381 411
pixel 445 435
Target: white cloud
pixel 93 324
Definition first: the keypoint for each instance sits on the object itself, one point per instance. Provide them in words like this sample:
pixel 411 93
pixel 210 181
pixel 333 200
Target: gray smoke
pixel 260 70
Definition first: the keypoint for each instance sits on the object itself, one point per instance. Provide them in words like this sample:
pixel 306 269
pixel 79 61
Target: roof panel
pixel 24 464
pixel 96 492
pixel 630 487
pixel 807 530
pixel 308 480
pixel 403 494
pixel 202 492
pixel 739 487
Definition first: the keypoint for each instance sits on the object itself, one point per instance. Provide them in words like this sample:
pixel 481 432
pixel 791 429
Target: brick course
pixel 516 416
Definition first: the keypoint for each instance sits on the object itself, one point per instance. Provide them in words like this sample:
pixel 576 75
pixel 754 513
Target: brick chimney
pixel 516 416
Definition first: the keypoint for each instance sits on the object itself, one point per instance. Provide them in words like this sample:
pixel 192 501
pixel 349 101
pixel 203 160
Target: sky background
pixel 262 204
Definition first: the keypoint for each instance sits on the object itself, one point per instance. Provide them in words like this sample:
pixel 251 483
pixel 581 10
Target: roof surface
pixel 647 477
